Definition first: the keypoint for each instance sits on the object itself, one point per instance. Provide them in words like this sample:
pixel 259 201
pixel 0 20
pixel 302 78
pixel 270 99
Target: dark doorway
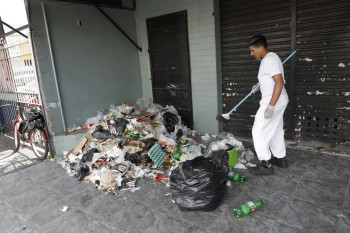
pixel 170 68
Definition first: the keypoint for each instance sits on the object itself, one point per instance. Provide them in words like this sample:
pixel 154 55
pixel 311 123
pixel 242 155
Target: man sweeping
pixel 268 133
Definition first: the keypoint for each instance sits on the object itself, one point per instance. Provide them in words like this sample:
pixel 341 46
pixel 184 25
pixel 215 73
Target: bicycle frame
pixel 16 123
pixel 19 118
pixel 29 136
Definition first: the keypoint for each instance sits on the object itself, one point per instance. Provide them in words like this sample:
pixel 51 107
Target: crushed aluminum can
pixel 121 168
pixel 130 184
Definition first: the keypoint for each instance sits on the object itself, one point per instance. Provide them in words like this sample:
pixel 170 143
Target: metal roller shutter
pixel 241 20
pixel 318 78
pixel 323 70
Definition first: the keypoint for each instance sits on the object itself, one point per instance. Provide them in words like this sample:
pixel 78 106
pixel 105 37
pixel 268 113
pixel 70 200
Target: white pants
pixel 269 134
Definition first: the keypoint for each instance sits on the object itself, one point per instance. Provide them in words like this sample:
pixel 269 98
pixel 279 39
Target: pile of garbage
pixel 132 141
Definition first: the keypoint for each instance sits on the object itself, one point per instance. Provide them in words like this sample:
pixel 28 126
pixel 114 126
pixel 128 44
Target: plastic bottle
pixel 247 208
pixel 235 176
pixel 177 152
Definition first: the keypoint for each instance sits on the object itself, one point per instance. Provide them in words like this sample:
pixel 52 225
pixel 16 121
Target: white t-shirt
pixel 271 65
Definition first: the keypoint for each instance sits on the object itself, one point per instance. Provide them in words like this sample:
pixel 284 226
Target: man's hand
pixel 268 112
pixel 253 87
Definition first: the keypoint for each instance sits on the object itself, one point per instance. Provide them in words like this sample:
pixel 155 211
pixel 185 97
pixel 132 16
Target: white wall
pixel 202 47
pixel 96 64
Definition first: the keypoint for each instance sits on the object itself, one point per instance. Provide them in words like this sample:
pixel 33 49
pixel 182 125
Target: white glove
pixel 269 111
pixel 253 87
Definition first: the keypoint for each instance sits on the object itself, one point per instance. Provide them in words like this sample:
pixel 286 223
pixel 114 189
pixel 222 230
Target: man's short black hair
pixel 258 40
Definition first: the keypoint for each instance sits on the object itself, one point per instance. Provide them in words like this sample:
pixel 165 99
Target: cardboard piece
pixel 84 141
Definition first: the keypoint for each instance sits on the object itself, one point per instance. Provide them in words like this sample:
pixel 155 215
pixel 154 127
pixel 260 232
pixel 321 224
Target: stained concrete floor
pixel 312 195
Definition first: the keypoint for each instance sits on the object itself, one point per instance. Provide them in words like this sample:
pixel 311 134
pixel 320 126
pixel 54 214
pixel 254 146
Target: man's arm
pixel 277 89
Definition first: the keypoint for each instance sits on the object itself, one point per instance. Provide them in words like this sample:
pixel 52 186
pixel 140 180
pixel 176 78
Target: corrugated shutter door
pixel 241 20
pixel 323 70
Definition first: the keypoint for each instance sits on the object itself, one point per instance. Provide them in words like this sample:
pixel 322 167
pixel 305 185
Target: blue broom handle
pixel 234 109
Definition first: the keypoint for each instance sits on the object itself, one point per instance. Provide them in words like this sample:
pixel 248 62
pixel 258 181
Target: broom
pixel 225 117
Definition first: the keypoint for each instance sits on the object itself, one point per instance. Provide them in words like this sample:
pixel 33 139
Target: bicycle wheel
pixel 17 137
pixel 39 143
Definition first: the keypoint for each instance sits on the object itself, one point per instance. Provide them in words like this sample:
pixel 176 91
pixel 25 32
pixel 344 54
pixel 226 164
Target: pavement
pixel 312 195
pixel 10 161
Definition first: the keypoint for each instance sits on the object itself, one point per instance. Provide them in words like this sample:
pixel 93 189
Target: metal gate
pixel 317 78
pixel 241 20
pixel 18 80
pixel 169 55
pixel 323 70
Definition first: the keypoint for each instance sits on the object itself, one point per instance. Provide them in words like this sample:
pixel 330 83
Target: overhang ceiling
pixel 123 4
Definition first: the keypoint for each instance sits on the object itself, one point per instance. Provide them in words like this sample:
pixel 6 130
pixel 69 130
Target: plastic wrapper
pixel 120 125
pixel 223 144
pixel 157 117
pixel 198 185
pixel 101 133
pixel 137 158
pixel 114 111
pixel 94 120
pixel 173 110
pixel 23 126
pixel 85 163
pixel 154 108
pixel 125 109
pixel 215 146
pixel 206 137
pixel 143 103
pixel 166 140
pixel 159 131
pixel 220 158
pixel 170 120
pixel 247 156
pixel 149 143
pixel 190 152
pixel 240 166
pixel 108 177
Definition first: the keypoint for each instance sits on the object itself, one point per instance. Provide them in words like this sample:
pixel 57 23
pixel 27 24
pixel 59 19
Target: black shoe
pixel 282 162
pixel 263 168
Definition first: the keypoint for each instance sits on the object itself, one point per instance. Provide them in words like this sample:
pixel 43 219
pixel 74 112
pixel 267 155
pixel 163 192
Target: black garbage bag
pixel 84 163
pixel 198 184
pixel 117 126
pixel 137 158
pixel 31 125
pixel 149 143
pixel 101 133
pixel 134 158
pixel 170 120
pixel 220 158
pixel 35 119
pixel 23 127
pixel 39 123
pixel 179 134
pixel 121 124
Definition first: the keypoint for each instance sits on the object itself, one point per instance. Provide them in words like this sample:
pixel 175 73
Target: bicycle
pixel 30 129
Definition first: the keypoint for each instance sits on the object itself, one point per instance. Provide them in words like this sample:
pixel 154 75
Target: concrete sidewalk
pixel 10 161
pixel 312 195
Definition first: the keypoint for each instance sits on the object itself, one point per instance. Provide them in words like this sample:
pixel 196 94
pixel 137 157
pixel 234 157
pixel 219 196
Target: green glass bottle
pixel 235 176
pixel 247 208
pixel 177 152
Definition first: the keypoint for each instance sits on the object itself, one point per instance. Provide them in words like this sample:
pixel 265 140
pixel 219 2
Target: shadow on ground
pixel 12 161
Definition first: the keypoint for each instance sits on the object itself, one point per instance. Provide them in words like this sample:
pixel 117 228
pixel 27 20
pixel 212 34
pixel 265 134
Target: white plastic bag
pixel 168 141
pixel 94 120
pixel 206 137
pixel 143 103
